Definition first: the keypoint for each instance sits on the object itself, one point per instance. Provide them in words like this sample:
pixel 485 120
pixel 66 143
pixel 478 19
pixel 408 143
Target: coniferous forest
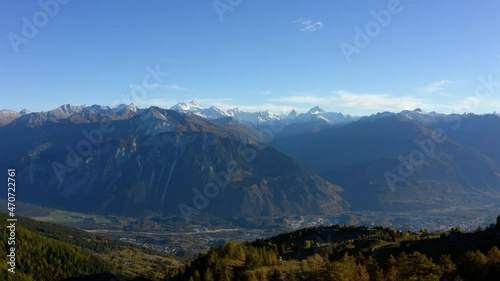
pixel 359 254
pixel 47 251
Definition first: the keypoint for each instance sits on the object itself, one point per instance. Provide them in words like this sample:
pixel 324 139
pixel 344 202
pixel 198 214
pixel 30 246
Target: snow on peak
pixel 233 111
pixel 8 112
pixel 70 109
pixel 193 104
pixel 132 107
pixel 183 107
pixel 316 110
pixel 25 111
pixel 194 107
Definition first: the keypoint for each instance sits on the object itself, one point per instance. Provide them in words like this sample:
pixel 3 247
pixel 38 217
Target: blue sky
pixel 255 54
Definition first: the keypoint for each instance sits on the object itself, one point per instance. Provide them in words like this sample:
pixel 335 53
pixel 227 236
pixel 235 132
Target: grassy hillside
pixel 94 254
pixel 41 258
pixel 355 253
pixel 46 251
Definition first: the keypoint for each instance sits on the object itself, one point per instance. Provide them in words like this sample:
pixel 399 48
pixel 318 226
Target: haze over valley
pixel 235 140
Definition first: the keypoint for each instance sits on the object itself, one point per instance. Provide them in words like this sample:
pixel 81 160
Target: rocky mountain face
pixel 192 159
pixel 138 162
pixel 73 114
pixel 407 160
pixel 7 116
pixel 294 123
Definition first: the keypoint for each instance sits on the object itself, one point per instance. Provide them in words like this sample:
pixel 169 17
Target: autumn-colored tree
pixel 277 275
pixel 474 266
pixel 493 256
pixel 208 276
pixel 374 270
pixel 196 276
pixel 316 267
pixel 346 269
pixel 447 267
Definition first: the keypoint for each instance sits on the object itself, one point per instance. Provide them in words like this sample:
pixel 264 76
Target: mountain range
pixel 91 113
pixel 157 161
pixel 190 159
pixel 407 160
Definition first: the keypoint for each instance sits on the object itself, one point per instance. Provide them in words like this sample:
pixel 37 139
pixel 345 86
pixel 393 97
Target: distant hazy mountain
pixel 7 116
pixel 365 156
pixel 73 114
pixel 314 120
pixel 315 114
pixel 195 108
pixel 157 161
pixel 154 159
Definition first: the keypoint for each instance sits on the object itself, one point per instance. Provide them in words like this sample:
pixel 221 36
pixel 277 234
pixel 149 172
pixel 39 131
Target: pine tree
pixel 374 270
pixel 208 276
pixel 392 273
pixel 196 276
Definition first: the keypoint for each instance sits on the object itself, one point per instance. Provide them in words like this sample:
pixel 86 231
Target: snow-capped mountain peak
pixel 194 104
pixel 85 113
pixel 70 109
pixel 180 107
pixel 233 111
pixel 25 111
pixel 316 110
pixel 194 107
pixel 132 107
pixel 315 114
pixel 183 107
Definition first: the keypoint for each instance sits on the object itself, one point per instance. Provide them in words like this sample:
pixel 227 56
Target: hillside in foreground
pixel 47 251
pixel 355 253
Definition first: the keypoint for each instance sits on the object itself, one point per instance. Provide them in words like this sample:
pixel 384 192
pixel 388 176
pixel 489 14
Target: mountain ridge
pixel 157 161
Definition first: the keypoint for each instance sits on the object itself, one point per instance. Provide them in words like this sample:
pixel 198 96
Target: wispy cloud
pixel 228 103
pixel 349 100
pixel 155 86
pixel 223 104
pixel 308 25
pixel 308 99
pixel 376 101
pixel 476 104
pixel 274 108
pixel 148 87
pixel 176 87
pixel 495 104
pixel 163 103
pixel 264 92
pixel 435 88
